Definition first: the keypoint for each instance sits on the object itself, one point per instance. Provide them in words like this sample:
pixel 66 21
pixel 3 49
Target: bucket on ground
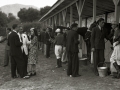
pixel 102 70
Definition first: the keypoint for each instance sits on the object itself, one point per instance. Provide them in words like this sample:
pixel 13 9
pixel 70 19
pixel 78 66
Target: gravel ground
pixel 50 78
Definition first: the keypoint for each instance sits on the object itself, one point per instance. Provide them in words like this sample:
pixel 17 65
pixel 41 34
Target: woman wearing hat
pixel 115 57
pixel 59 40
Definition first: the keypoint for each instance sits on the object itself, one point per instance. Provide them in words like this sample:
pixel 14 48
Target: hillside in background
pixel 15 8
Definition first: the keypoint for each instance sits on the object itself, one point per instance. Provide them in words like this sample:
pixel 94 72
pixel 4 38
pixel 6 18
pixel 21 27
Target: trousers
pixel 58 51
pixel 73 64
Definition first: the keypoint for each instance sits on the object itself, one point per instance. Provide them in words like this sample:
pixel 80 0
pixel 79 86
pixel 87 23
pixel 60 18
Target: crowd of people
pixel 22 48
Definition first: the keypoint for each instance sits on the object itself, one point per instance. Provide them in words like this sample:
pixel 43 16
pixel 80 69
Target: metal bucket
pixel 102 70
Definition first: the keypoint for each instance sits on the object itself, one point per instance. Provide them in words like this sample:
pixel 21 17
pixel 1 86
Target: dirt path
pixel 50 78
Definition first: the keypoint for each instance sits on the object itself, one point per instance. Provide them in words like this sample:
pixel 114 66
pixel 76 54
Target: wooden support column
pixel 117 9
pixel 52 23
pixel 64 13
pixel 106 14
pixel 85 22
pixel 47 22
pixel 71 15
pixel 55 19
pixel 59 19
pixel 44 24
pixel 79 6
pixel 94 10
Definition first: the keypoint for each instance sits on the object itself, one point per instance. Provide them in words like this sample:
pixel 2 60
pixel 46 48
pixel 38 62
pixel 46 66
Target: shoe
pixel 15 77
pixel 57 66
pixel 33 74
pixel 117 76
pixel 70 75
pixel 76 75
pixel 29 74
pixel 64 62
pixel 5 65
pixel 26 77
pixel 59 62
pixel 117 67
pixel 96 73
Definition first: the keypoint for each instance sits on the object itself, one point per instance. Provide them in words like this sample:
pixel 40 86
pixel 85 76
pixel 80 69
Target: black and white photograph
pixel 60 45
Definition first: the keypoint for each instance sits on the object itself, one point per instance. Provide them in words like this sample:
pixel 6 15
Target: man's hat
pixel 57 30
pixel 32 28
pixel 74 25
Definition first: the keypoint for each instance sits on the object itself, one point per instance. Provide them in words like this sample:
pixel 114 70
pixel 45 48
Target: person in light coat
pixel 26 41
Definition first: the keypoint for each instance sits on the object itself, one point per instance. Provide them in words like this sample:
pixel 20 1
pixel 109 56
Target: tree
pixel 44 10
pixel 28 15
pixel 3 19
pixel 22 14
pixel 11 17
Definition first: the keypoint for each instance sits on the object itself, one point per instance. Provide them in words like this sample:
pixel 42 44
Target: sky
pixel 37 3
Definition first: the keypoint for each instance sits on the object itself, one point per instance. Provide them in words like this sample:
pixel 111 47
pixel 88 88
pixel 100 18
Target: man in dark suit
pixel 98 44
pixel 17 61
pixel 48 43
pixel 72 51
pixel 42 39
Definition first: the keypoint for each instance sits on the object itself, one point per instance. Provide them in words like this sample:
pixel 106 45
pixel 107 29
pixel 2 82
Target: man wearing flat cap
pixel 72 51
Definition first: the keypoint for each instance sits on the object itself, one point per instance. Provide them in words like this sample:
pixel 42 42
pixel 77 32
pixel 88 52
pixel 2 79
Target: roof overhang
pixel 103 6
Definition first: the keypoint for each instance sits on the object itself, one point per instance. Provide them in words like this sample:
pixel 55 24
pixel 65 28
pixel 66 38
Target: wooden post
pixel 85 22
pixel 59 19
pixel 106 14
pixel 44 25
pixel 79 5
pixel 117 9
pixel 64 13
pixel 52 22
pixel 55 19
pixel 71 15
pixel 94 10
pixel 49 22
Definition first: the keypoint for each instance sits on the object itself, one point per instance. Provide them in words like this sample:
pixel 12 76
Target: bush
pixel 2 31
pixel 27 26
